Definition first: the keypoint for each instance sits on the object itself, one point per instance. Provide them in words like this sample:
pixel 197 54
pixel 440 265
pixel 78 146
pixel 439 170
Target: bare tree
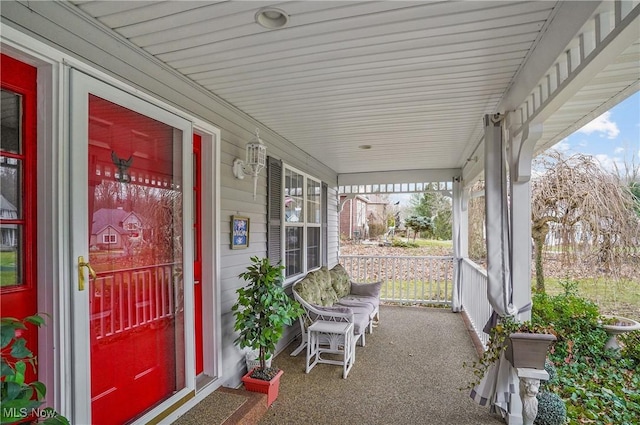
pixel 588 210
pixel 477 244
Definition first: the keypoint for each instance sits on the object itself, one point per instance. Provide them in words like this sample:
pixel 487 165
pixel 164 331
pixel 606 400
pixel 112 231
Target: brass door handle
pixel 81 264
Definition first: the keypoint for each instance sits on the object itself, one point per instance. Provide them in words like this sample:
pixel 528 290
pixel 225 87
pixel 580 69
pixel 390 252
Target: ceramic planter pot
pixel 270 388
pixel 528 349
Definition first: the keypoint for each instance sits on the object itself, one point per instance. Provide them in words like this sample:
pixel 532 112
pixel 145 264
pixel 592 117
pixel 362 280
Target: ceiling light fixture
pixel 272 18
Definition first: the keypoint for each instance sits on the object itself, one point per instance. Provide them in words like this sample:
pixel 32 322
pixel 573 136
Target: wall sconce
pixel 256 158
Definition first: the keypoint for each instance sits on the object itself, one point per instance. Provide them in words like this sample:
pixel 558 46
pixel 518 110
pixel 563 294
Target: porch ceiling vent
pixel 272 18
pixel 255 160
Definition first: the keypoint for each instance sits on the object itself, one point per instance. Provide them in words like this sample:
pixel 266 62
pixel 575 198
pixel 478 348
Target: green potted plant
pixel 528 345
pixel 21 400
pixel 262 311
pixel 519 341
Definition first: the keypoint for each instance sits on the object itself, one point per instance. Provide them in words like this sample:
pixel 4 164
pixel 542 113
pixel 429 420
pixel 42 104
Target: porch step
pixel 227 406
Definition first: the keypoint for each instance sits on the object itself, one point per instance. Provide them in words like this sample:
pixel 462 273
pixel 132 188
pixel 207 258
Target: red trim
pixel 21 78
pixel 197 252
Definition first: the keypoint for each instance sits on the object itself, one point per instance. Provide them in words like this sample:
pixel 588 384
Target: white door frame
pixel 211 310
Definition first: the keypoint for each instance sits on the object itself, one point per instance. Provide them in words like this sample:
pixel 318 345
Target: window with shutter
pixel 297 219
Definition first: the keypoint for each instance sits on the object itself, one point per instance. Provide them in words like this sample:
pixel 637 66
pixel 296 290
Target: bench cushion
pixel 340 281
pixel 353 300
pixel 366 289
pixel 309 290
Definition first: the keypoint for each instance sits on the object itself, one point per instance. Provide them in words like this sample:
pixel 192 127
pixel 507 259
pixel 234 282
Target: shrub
pixel 598 386
pixel 377 229
pixel 403 244
pixel 576 322
pixel 551 409
pixel 552 371
pixel 631 345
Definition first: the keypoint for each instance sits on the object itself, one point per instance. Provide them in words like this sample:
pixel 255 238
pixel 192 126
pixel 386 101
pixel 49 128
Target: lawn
pixel 613 297
pixel 8 271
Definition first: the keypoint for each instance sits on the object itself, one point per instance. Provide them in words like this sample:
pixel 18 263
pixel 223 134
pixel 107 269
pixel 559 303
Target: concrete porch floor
pixel 410 372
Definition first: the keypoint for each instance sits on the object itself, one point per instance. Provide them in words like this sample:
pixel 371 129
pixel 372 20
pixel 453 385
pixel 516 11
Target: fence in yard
pixel 474 297
pixel 411 280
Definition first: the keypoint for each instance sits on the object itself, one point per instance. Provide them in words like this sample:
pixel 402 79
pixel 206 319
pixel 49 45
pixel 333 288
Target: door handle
pixel 81 264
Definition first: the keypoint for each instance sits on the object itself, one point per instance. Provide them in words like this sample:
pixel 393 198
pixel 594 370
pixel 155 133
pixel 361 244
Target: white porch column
pixel 520 157
pixel 460 240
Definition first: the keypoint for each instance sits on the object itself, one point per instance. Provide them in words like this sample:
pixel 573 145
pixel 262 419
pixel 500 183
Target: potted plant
pixel 528 345
pixel 261 312
pixel 511 337
pixel 21 400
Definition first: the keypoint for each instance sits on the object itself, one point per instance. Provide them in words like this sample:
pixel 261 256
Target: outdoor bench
pixel 330 295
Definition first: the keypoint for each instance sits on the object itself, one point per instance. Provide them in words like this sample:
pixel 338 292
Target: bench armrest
pixel 329 314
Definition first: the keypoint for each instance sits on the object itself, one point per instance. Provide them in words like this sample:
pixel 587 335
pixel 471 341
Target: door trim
pixel 210 211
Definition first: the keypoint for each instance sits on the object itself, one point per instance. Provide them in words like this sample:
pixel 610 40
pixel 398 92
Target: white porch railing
pixel 474 297
pixel 415 280
pixel 122 300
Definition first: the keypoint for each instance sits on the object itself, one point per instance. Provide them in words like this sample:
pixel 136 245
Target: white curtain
pixel 497 220
pixel 501 378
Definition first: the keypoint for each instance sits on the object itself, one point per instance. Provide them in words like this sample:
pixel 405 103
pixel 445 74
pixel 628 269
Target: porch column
pixel 460 240
pixel 499 253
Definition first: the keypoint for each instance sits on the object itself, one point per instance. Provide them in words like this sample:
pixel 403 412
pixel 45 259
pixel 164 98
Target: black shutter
pixel 325 224
pixel 274 211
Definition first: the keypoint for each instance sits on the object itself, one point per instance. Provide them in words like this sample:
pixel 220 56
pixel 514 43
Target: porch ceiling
pixel 410 79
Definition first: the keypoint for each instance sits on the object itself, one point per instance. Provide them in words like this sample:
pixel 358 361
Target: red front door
pixel 18 289
pixel 136 301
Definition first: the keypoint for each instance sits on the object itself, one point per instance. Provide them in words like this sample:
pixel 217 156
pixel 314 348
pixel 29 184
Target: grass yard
pixel 8 268
pixel 431 243
pixel 613 297
pixel 416 290
pixel 621 297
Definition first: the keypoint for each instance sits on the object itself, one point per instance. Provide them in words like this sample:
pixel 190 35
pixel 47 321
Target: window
pixel 108 238
pixel 302 222
pixel 297 219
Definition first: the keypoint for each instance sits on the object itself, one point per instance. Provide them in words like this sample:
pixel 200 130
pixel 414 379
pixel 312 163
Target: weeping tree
pixel 476 208
pixel 588 210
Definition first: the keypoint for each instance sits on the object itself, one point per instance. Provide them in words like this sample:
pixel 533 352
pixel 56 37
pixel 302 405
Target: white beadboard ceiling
pixel 411 79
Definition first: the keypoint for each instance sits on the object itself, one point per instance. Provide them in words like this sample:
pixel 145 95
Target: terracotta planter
pixel 270 388
pixel 528 349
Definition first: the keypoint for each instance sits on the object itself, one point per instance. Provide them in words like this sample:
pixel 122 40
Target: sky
pixel 612 138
